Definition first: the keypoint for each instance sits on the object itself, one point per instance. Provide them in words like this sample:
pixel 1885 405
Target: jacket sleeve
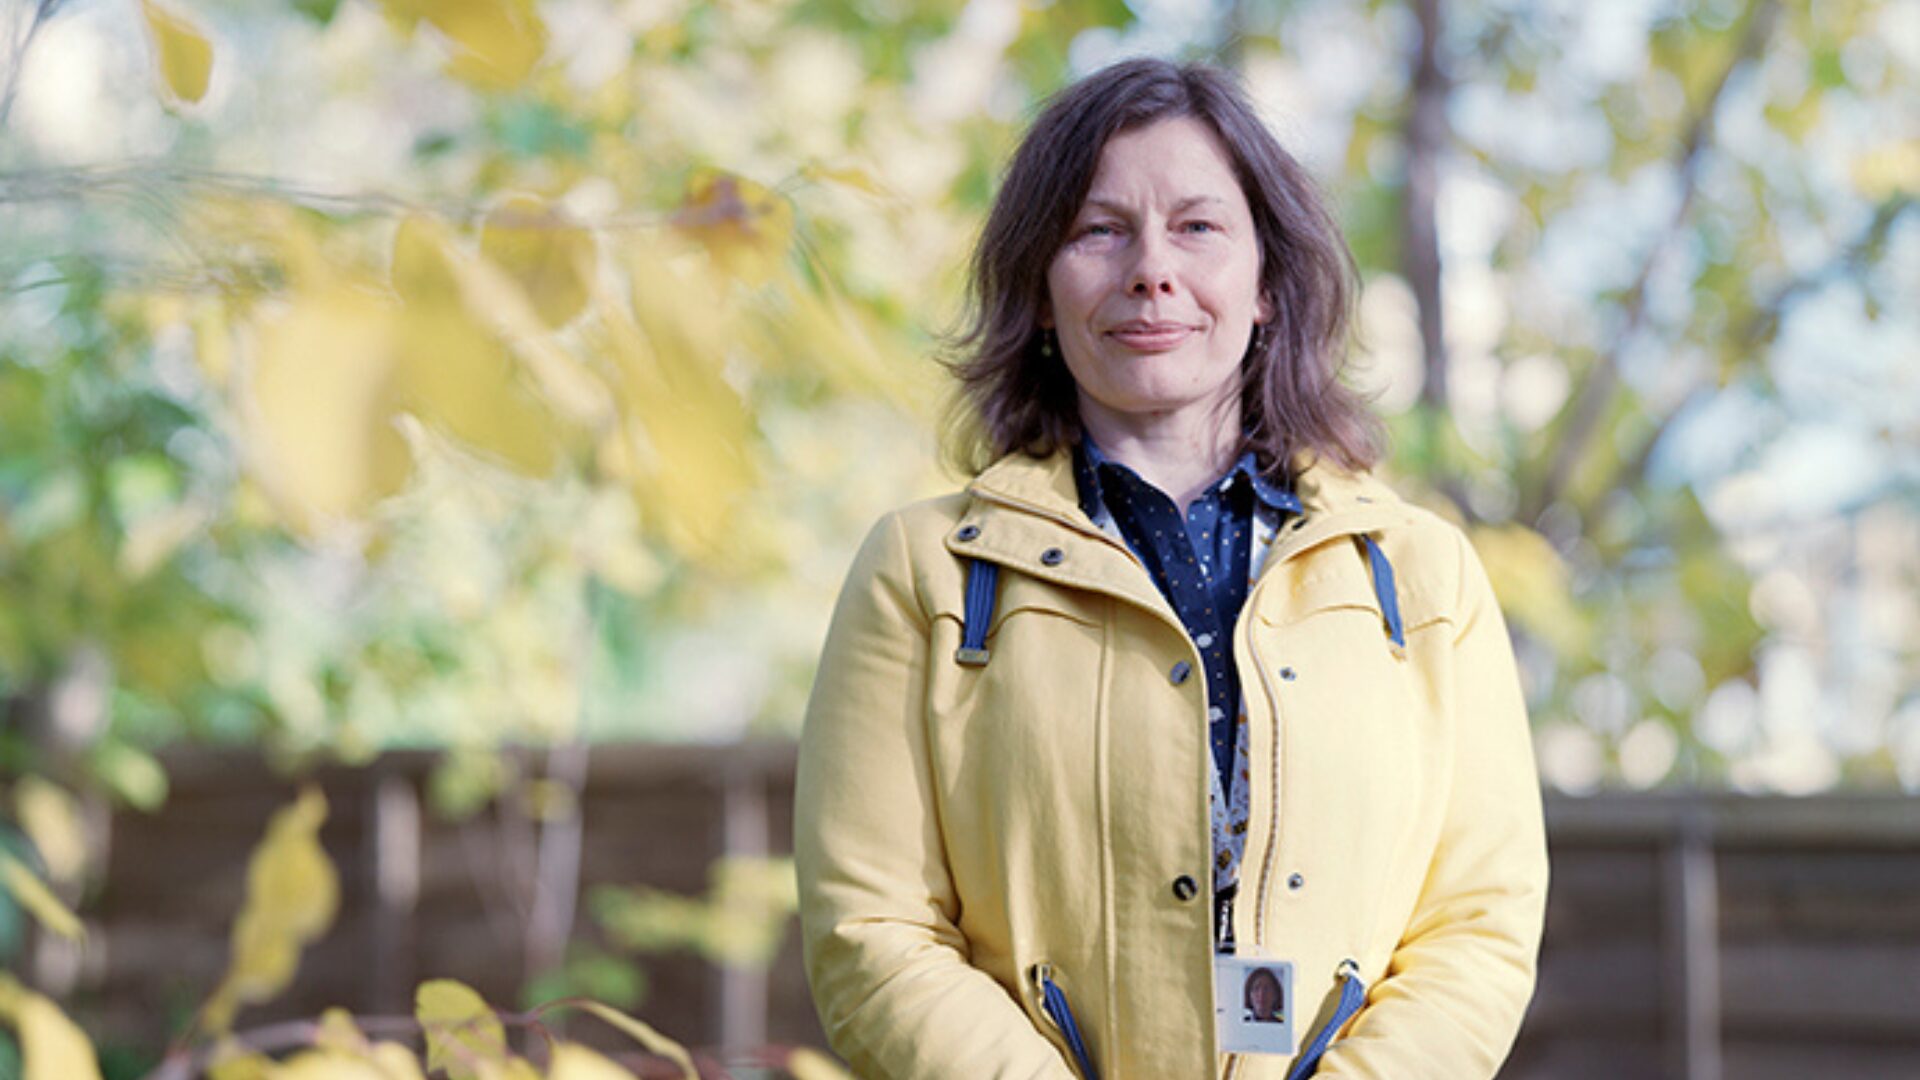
pixel 888 965
pixel 1458 983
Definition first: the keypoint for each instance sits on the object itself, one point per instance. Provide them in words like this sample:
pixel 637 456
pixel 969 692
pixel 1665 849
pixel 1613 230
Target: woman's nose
pixel 1151 274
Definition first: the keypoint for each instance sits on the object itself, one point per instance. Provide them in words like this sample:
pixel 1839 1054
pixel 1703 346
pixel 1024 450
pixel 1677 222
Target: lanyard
pixel 1223 918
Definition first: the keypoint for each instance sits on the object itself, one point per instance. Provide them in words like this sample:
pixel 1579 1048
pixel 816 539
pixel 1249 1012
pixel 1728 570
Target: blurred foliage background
pixel 470 374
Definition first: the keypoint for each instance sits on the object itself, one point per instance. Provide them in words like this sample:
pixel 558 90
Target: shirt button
pixel 1053 557
pixel 1215 712
pixel 967 532
pixel 1204 640
pixel 1185 888
pixel 1180 672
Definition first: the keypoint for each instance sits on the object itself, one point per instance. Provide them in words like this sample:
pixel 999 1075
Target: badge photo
pixel 1253 1004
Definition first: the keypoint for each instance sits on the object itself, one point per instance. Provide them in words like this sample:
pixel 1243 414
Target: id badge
pixel 1253 1004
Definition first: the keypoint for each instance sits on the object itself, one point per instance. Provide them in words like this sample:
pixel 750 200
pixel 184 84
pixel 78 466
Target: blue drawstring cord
pixel 1353 993
pixel 1383 590
pixel 1056 1005
pixel 983 578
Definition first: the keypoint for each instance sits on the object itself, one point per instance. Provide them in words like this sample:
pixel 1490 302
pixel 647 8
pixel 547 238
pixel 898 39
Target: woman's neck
pixel 1180 453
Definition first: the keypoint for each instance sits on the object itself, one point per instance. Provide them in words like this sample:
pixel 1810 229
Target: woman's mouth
pixel 1150 336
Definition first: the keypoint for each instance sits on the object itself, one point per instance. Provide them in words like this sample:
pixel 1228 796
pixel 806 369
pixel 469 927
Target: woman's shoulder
pixel 908 546
pixel 923 522
pixel 1432 557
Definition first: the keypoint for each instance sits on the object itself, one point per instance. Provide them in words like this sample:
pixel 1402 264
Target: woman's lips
pixel 1150 337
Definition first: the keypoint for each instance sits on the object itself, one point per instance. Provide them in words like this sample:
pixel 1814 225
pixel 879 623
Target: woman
pixel 1264 997
pixel 1173 644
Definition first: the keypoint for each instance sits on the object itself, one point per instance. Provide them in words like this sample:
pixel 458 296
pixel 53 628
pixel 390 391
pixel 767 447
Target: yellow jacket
pixel 960 830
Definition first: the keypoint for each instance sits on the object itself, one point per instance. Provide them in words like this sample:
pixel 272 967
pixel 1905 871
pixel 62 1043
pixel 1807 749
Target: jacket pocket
pixel 1053 1002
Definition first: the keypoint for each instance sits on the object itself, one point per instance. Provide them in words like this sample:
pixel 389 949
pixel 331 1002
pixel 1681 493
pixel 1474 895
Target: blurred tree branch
pixel 1764 321
pixel 1426 139
pixel 1580 419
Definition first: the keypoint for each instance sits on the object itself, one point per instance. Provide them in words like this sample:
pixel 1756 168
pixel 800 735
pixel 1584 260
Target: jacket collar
pixel 1025 510
pixel 1046 484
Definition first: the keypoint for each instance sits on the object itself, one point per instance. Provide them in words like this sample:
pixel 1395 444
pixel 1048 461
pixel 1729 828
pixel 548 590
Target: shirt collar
pixel 1090 463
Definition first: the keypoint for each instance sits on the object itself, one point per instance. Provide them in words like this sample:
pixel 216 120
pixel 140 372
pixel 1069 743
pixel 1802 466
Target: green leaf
pixel 320 11
pixel 464 1037
pixel 134 776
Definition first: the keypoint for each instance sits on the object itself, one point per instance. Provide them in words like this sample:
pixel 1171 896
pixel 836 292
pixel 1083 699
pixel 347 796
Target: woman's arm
pixel 1459 981
pixel 887 964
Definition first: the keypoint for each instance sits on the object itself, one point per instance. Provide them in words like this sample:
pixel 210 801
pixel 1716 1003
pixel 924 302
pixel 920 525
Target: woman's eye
pixel 1199 227
pixel 1099 228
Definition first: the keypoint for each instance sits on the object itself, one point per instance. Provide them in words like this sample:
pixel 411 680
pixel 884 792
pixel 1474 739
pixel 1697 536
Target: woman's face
pixel 1266 997
pixel 1155 291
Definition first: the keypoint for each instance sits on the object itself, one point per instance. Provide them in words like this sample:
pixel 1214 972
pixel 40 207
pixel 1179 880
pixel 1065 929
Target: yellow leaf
pixel 497 42
pixel 801 327
pixel 339 1032
pixel 847 176
pixel 213 343
pixel 684 444
pixel 51 1046
pixel 458 378
pixel 33 894
pixel 51 819
pixel 571 1061
pixel 420 272
pixel 492 296
pixel 1533 584
pixel 292 896
pixel 806 1063
pixel 1888 170
pixel 232 1061
pixel 744 226
pixel 186 58
pixel 318 411
pixel 396 1061
pixel 549 257
pixel 464 1037
pixel 645 1035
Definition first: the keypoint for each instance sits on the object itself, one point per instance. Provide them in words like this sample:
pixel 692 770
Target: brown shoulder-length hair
pixel 1012 398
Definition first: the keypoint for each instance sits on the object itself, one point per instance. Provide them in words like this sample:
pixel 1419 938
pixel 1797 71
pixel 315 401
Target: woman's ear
pixel 1263 308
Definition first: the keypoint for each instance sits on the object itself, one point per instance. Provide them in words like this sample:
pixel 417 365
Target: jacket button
pixel 1296 881
pixel 967 532
pixel 1180 672
pixel 1185 888
pixel 1287 674
pixel 1053 557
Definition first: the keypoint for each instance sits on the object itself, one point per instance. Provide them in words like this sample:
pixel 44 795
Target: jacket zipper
pixel 1053 1001
pixel 1273 806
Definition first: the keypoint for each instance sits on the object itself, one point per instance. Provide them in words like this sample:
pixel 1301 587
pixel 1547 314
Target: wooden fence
pixel 1690 937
